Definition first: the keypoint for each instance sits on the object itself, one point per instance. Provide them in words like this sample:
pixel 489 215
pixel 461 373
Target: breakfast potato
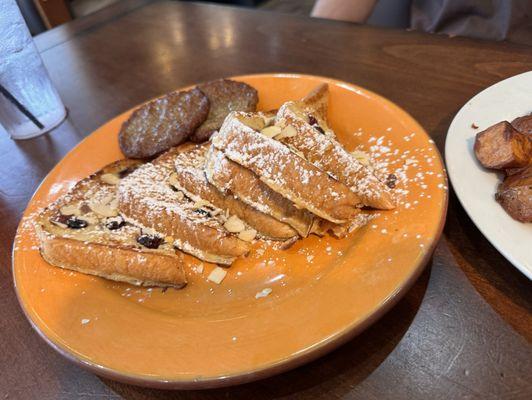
pixel 501 146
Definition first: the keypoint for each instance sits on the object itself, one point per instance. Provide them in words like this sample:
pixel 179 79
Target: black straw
pixel 21 108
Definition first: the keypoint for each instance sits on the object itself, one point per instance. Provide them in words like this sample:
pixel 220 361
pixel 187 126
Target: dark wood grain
pixel 463 330
pixel 53 12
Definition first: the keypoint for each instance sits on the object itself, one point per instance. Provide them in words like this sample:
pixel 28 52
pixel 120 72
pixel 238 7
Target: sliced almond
pixel 361 156
pixel 114 203
pixel 253 122
pixel 107 199
pixel 217 275
pixel 297 152
pixel 180 195
pixel 91 219
pixel 105 210
pixel 172 180
pixel 287 132
pixel 111 179
pixel 200 203
pixel 70 209
pixel 268 121
pixel 234 224
pixel 247 235
pixel 271 131
pixel 169 239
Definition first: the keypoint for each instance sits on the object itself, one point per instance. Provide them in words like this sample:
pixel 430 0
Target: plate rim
pixel 305 356
pixel 458 189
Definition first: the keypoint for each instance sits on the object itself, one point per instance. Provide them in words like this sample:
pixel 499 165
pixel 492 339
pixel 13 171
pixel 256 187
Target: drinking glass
pixel 29 103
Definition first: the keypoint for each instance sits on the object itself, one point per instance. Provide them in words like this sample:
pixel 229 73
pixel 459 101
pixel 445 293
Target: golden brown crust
pixel 317 102
pixel 285 172
pixel 115 263
pixel 233 179
pixel 327 154
pixel 190 178
pixel 147 198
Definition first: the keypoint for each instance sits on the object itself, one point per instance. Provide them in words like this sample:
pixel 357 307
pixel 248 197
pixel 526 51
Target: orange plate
pixel 324 291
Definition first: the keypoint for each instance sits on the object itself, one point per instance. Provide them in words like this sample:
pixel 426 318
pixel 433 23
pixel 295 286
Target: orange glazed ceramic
pixel 276 309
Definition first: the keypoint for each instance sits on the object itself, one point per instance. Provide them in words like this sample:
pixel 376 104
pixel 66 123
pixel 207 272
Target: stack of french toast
pixel 275 176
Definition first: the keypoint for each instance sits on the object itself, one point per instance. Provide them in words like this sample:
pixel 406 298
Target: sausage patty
pixel 224 96
pixel 163 123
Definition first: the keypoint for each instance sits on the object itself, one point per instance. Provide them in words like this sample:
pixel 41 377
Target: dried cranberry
pixel 74 222
pixel 203 212
pixel 149 241
pixel 115 223
pixel 314 122
pixel 391 181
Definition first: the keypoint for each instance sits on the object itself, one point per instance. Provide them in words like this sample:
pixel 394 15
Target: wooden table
pixel 463 330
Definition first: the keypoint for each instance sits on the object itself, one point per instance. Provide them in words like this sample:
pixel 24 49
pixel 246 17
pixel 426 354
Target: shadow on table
pixel 502 285
pixel 351 363
pixel 46 150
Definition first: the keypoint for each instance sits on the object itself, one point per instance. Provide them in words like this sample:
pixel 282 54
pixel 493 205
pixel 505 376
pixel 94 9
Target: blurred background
pixel 509 20
pixel 41 15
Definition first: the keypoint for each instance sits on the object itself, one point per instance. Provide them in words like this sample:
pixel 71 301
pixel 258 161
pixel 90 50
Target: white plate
pixel 474 185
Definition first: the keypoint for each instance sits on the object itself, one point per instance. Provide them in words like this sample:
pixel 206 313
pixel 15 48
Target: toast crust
pixel 233 179
pixel 285 172
pixel 122 264
pixel 327 154
pixel 316 103
pixel 146 198
pixel 190 179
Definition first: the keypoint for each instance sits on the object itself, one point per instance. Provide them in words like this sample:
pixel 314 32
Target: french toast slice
pixel 83 232
pixel 147 198
pixel 284 171
pixel 234 180
pixel 327 154
pixel 316 104
pixel 191 180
